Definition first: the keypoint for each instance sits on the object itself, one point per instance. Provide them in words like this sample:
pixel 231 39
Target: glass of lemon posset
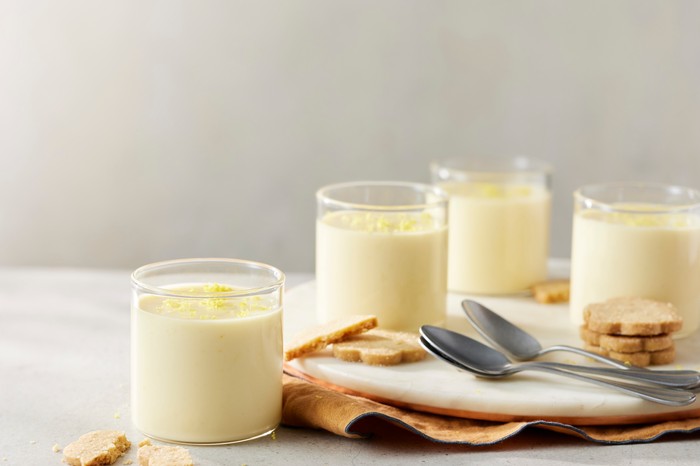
pixel 381 248
pixel 206 354
pixel 637 239
pixel 499 222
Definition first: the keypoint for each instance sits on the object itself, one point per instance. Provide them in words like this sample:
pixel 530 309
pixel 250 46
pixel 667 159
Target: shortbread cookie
pixel 318 337
pixel 626 344
pixel 640 358
pixel 380 348
pixel 632 316
pixel 551 291
pixel 96 448
pixel 159 455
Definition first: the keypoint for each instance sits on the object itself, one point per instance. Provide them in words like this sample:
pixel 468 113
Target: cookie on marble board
pixel 318 337
pixel 632 316
pixel 624 343
pixel 380 348
pixel 640 358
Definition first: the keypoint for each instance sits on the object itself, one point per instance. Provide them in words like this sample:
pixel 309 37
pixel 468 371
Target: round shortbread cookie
pixel 626 344
pixel 380 348
pixel 640 358
pixel 632 317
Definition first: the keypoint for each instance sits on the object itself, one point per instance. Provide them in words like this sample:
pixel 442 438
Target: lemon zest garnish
pixel 214 303
pixel 490 190
pixel 372 222
pixel 216 288
pixel 173 303
pixel 521 191
pixel 202 307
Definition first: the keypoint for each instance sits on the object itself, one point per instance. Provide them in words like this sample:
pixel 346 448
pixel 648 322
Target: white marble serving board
pixel 434 386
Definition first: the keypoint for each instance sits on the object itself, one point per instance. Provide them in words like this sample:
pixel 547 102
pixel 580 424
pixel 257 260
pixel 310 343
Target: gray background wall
pixel 138 131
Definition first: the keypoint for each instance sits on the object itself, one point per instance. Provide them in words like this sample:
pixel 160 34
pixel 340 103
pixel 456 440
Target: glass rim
pixel 498 165
pixel 591 202
pixel 323 195
pixel 278 281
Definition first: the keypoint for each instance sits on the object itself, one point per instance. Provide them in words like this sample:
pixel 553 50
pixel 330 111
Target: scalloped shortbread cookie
pixel 640 358
pixel 380 348
pixel 632 316
pixel 626 344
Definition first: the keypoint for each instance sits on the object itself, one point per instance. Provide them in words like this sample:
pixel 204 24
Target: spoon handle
pixel 666 378
pixel 666 396
pixel 582 352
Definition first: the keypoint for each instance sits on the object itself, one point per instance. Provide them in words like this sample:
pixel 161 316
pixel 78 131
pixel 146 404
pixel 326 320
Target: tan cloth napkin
pixel 310 405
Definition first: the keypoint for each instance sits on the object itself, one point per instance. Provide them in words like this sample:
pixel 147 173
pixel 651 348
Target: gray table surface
pixel 64 370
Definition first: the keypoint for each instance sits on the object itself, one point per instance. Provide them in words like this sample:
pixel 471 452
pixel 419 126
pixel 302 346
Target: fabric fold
pixel 306 404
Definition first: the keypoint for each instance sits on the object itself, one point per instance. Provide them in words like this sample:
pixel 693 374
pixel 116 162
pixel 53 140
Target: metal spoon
pixel 473 356
pixel 522 346
pixel 515 341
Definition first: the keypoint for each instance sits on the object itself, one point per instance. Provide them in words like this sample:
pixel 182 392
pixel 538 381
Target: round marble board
pixel 434 386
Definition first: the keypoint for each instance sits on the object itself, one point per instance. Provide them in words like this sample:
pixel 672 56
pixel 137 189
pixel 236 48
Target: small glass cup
pixel 499 222
pixel 637 239
pixel 206 350
pixel 381 248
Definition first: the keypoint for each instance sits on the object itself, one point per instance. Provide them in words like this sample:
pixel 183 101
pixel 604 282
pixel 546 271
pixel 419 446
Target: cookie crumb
pixel 56 448
pixel 156 455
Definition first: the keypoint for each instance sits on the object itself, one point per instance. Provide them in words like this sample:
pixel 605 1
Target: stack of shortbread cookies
pixel 634 330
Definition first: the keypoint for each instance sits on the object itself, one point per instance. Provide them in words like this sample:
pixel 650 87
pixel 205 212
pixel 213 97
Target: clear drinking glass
pixel 637 239
pixel 206 350
pixel 499 222
pixel 381 248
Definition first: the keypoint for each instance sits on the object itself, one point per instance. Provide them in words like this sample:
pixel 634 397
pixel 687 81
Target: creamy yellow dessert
pixel 499 237
pixel 206 364
pixel 392 265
